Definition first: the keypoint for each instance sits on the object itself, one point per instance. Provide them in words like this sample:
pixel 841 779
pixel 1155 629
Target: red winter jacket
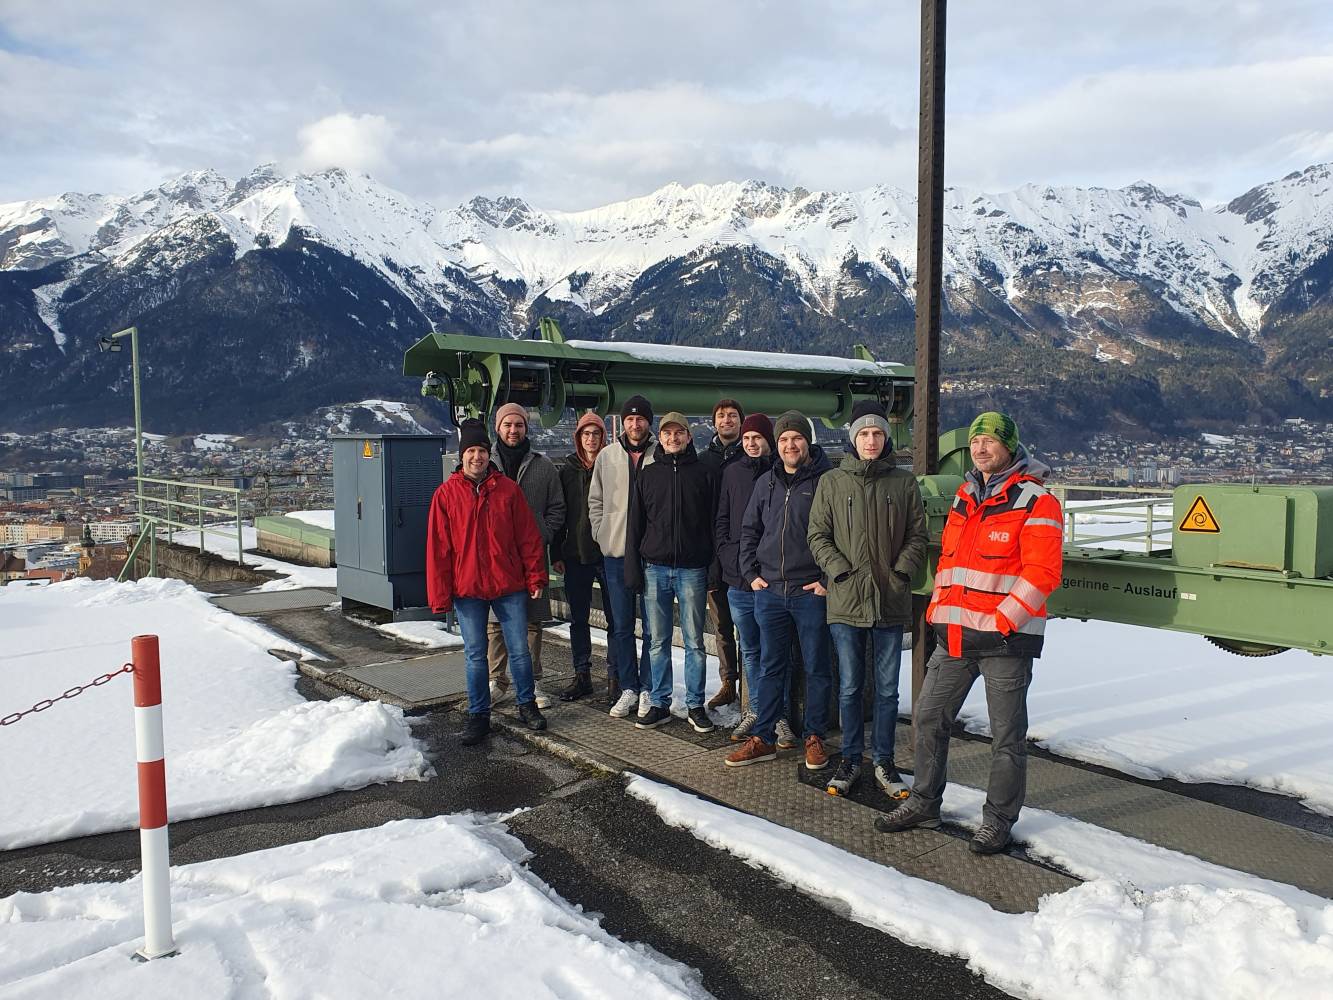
pixel 481 541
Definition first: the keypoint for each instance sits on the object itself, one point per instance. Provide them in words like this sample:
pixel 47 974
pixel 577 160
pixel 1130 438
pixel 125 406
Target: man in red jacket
pixel 485 553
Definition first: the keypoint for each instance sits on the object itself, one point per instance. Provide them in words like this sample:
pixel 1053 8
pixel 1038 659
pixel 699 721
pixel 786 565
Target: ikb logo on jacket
pixel 1000 559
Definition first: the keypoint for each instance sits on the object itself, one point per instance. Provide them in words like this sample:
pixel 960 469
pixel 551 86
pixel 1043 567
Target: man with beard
pixel 536 476
pixel 722 450
pixel 614 475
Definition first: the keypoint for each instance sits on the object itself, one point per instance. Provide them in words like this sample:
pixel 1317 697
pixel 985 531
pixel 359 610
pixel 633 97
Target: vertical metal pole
pixel 152 550
pixel 199 502
pixel 240 545
pixel 929 262
pixel 138 422
pixel 153 840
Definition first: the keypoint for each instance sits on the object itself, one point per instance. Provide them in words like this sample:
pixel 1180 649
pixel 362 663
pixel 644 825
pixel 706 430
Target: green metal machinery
pixel 477 374
pixel 1249 567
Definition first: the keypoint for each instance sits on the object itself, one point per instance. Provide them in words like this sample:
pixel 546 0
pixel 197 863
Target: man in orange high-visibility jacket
pixel 1000 559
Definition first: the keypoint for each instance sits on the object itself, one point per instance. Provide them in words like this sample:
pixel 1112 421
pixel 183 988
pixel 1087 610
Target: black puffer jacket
pixel 777 518
pixel 574 541
pixel 738 480
pixel 672 506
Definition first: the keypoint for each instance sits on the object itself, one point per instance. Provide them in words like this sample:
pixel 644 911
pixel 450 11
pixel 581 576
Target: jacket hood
pixel 861 467
pixel 660 454
pixel 587 420
pixel 1022 465
pixel 819 463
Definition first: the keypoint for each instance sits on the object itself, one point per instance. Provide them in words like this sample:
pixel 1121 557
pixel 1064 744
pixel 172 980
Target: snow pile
pixel 1101 939
pixel 436 907
pixel 1154 703
pixel 237 733
pixel 430 634
pixel 317 518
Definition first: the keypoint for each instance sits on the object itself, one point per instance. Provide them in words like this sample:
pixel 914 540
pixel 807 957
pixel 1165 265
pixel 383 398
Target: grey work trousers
pixel 948 680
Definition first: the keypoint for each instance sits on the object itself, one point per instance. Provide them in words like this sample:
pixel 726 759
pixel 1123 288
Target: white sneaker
pixel 645 705
pixel 499 694
pixel 541 697
pixel 622 708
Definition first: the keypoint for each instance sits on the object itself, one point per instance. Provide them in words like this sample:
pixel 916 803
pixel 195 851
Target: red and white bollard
pixel 154 850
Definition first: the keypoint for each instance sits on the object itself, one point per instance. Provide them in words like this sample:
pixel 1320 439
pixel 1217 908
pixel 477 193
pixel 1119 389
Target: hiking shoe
pixel 990 839
pixel 626 704
pixel 744 727
pixel 726 694
pixel 786 738
pixel 542 699
pixel 579 687
pixel 700 721
pixel 891 782
pixel 656 716
pixel 532 716
pixel 752 752
pixel 816 758
pixel 645 704
pixel 498 694
pixel 845 777
pixel 476 727
pixel 908 815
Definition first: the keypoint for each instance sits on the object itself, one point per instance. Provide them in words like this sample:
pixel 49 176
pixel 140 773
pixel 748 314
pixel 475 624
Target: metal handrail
pixel 171 503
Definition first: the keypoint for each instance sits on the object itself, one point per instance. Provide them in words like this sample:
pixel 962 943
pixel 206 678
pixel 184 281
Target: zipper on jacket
pixel 849 519
pixel 782 538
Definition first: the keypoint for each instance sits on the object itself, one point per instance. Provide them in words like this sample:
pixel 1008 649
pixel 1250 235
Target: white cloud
pixel 356 142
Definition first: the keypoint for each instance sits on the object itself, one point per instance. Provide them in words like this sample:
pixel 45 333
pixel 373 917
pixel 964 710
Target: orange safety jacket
pixel 999 562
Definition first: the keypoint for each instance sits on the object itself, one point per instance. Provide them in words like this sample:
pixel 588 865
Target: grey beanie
pixel 867 413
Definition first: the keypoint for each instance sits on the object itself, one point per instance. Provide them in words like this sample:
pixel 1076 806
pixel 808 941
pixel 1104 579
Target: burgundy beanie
pixel 759 423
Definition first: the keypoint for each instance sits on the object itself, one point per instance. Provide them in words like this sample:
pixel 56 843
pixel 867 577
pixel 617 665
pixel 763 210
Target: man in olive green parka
pixel 868 535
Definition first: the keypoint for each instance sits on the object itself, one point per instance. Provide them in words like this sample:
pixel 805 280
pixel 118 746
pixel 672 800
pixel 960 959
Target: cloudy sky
pixel 581 102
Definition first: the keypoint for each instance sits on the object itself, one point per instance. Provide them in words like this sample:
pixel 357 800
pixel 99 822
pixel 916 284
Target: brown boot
pixel 726 694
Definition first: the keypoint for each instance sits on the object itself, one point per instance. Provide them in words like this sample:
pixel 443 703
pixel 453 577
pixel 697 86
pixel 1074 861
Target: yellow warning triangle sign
pixel 1200 518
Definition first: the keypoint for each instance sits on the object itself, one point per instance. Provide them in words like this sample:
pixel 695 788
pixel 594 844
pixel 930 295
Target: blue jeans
pixel 635 671
pixel 777 615
pixel 741 603
pixel 661 586
pixel 512 613
pixel 579 578
pixel 886 650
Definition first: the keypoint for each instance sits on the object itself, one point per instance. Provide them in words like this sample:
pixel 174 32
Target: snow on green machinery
pixel 1249 567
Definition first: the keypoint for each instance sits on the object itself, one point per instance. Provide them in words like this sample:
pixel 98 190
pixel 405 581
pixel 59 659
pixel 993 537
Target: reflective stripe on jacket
pixel 1000 560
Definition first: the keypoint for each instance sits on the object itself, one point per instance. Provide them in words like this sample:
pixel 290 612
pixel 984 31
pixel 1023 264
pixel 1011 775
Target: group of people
pixel 785 557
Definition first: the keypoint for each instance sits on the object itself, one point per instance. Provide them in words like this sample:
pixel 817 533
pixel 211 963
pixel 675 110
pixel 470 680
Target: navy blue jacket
pixel 738 480
pixel 773 532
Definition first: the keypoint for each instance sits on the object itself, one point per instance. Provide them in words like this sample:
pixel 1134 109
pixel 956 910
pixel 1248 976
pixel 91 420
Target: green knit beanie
pixel 1000 426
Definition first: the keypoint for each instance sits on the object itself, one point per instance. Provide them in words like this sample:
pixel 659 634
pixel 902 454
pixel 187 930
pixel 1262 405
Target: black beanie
pixel 472 434
pixel 637 406
pixel 869 408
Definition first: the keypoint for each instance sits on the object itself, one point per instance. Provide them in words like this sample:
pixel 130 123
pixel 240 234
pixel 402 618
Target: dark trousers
pixel 724 630
pixel 948 680
pixel 579 578
pixel 778 617
pixel 635 671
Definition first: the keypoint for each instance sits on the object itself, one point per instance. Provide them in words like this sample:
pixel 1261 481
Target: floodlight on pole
pixel 111 342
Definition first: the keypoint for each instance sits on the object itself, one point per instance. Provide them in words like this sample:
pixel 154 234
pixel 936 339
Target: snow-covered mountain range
pixel 1133 275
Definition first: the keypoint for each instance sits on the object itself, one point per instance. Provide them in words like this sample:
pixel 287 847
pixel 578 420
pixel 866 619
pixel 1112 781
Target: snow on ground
pixel 237 733
pixel 1154 703
pixel 430 634
pixel 1105 938
pixel 318 518
pixel 727 716
pixel 439 906
pixel 224 544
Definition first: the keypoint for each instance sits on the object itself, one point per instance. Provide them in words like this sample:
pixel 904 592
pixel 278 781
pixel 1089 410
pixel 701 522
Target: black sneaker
pixel 990 839
pixel 580 687
pixel 476 727
pixel 700 721
pixel 911 813
pixel 532 716
pixel 845 777
pixel 656 717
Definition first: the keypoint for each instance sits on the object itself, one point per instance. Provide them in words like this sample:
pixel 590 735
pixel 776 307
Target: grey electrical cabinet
pixel 382 488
